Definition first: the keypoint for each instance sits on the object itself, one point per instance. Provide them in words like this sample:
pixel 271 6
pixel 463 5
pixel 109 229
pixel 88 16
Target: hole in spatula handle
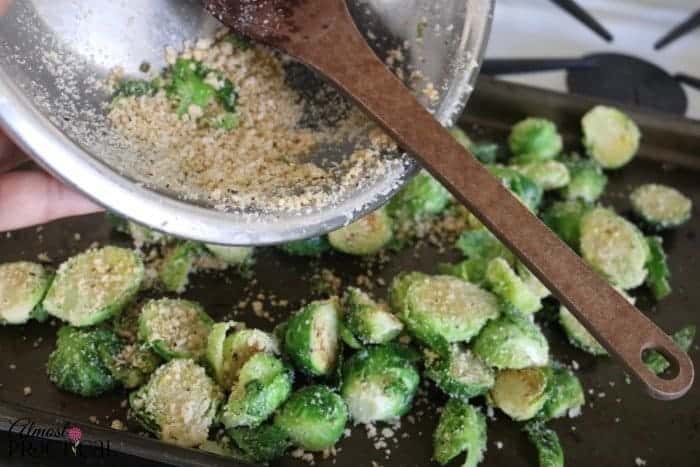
pixel 674 381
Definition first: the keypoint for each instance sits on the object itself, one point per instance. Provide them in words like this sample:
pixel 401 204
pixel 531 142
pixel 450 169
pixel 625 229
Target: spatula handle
pixel 343 56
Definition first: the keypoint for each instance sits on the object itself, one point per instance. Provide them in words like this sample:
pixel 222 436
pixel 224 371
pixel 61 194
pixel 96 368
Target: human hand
pixel 30 197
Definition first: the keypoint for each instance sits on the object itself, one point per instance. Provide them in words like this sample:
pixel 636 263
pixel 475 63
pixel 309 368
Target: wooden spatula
pixel 322 34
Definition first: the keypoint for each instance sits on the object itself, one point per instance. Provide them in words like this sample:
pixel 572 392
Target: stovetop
pixel 628 67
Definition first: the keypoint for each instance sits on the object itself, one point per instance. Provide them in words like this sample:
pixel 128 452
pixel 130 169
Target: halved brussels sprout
pixel 461 428
pixel 22 287
pixel 614 247
pixel 535 139
pixel 482 244
pixel 314 418
pixel 365 236
pixel 532 282
pixel 460 374
pixel 311 337
pixel 399 286
pixel 263 384
pixel 529 192
pixel 175 328
pixel 578 335
pixel 471 270
pixel 94 286
pixel 610 136
pixel 368 321
pixel 379 383
pixel 564 218
pixel 549 175
pixel 546 441
pixel 522 393
pixel 178 404
pixel 81 362
pixel 565 394
pixel 231 255
pixel 178 264
pixel 143 236
pixel 422 196
pixel 683 338
pixel 512 341
pixel 506 284
pixel 133 365
pixel 661 206
pixel 440 310
pixel 587 182
pixel 658 272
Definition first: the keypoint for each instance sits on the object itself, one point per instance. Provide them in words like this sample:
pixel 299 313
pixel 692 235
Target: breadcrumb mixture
pixel 263 162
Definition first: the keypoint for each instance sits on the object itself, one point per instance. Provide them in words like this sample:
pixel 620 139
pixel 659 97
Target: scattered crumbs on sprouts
pixel 639 462
pixel 27 391
pixel 94 420
pixel 307 457
pixel 12 366
pixel 499 445
pixel 43 257
pixel 574 365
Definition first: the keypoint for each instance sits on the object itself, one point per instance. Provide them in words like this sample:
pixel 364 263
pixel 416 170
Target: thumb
pixel 32 197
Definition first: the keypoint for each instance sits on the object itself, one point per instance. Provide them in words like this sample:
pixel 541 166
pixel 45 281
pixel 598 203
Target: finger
pixel 30 198
pixel 10 155
pixel 4 6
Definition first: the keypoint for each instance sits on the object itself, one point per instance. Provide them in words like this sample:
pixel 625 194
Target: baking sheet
pixel 619 424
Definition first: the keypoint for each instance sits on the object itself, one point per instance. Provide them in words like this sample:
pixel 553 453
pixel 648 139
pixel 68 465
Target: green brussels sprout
pixel 578 335
pixel 314 418
pixel 614 247
pixel 522 393
pixel 549 175
pixel 80 364
pixel 461 428
pixel 365 236
pixel 565 394
pixel 512 342
pixel 658 272
pixel 94 286
pixel 440 310
pixel 660 206
pixel 471 270
pixel 587 182
pixel 264 383
pixel 535 140
pixel 546 441
pixel 174 328
pixel 311 338
pixel 133 365
pixel 231 255
pixel 564 218
pixel 379 383
pixel 531 281
pixel 261 444
pixel 227 353
pixel 178 264
pixel 526 190
pixel 507 285
pixel 314 246
pixel 399 286
pixel 422 196
pixel 482 244
pixel 178 404
pixel 610 137
pixel 369 322
pixel 486 152
pixel 22 287
pixel 657 362
pixel 460 374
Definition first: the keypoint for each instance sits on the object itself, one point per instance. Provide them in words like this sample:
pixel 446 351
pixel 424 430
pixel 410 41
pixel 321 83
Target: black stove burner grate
pixel 629 80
